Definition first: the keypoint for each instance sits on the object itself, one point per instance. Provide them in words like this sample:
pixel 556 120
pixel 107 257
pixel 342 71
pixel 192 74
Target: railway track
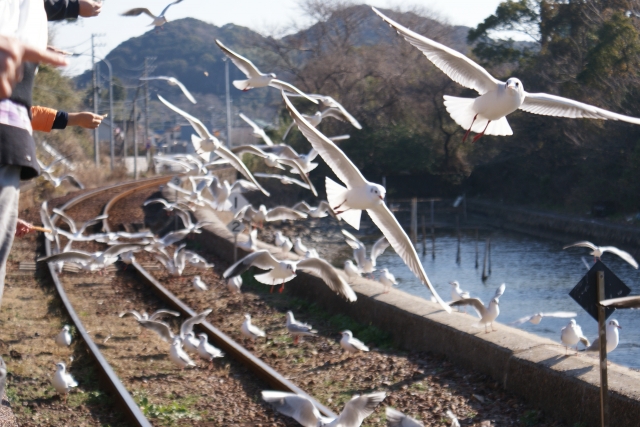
pixel 124 288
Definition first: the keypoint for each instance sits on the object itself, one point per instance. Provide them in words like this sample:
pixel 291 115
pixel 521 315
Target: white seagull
pixel 62 381
pixel 206 351
pixel 234 284
pixel 359 195
pixel 158 21
pixel 283 242
pixel 537 318
pixel 92 261
pixel 366 265
pixel 158 314
pixel 486 114
pixel 322 210
pixel 205 143
pixel 281 272
pixel 199 284
pixel 164 331
pixel 398 419
pixel 457 293
pixel 250 243
pixel 249 330
pixel 597 251
pixel 63 339
pixel 298 329
pixel 351 344
pixel 487 314
pixel 285 180
pixel 299 247
pixel 304 412
pixel 173 82
pixel 178 356
pixel 258 132
pixel 262 215
pixel 326 102
pixel 387 279
pixel 254 77
pixel 352 271
pixel 47 174
pixel 222 191
pixel 612 336
pixel 571 335
pixel 315 119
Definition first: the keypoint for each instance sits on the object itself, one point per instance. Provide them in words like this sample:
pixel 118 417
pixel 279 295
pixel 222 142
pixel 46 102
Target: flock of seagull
pixel 345 201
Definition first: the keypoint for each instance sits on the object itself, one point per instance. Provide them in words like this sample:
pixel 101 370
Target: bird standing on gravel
pixel 487 314
pixel 251 331
pixel 199 284
pixel 387 279
pixel 190 342
pixel 234 284
pixel 62 381
pixel 351 344
pixel 298 329
pixel 63 339
pixel 303 411
pixel 206 351
pixel 178 356
pixel 597 251
pixel 571 335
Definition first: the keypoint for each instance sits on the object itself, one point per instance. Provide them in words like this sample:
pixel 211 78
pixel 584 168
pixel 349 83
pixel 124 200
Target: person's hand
pixel 23 228
pixel 85 120
pixel 12 54
pixel 89 8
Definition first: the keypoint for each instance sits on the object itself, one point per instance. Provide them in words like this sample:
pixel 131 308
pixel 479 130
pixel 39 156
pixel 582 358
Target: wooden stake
pixel 602 331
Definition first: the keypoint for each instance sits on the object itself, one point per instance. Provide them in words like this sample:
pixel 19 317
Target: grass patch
pixel 174 411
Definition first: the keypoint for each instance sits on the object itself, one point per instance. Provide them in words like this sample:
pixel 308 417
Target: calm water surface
pixel 538 274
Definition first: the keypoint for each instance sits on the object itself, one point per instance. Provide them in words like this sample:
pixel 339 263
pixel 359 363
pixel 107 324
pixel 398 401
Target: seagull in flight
pixel 316 119
pixel 537 318
pixel 302 410
pixel 173 82
pixel 486 115
pixel 158 21
pixel 262 215
pixel 205 143
pixel 360 194
pixel 487 314
pixel 285 180
pixel 47 174
pixel 366 265
pixel 339 112
pixel 258 132
pixel 597 251
pixel 254 77
pixel 284 271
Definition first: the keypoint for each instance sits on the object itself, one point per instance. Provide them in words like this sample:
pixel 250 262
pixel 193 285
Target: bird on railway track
pixel 598 251
pixel 251 243
pixel 298 329
pixel 77 228
pixel 178 356
pixel 190 342
pixel 234 284
pixel 303 410
pixel 571 335
pixel 251 331
pixel 164 331
pixel 358 195
pixel 366 265
pixel 208 352
pixel 487 314
pixel 350 344
pixel 62 381
pixel 63 339
pixel 199 285
pixel 156 315
pixel 281 272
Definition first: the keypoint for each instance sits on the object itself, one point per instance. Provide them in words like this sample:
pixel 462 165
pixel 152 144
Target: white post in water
pixel 602 332
pixel 433 234
pixel 485 276
pixel 459 238
pixel 476 248
pixel 414 220
pixel 424 236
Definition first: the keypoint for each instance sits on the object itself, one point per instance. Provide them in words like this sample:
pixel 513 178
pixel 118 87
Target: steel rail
pixel 131 410
pixel 219 338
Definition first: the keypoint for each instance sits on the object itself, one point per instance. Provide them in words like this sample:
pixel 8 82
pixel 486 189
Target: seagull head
pixel 247 316
pixel 455 284
pixel 615 324
pixel 66 328
pixel 496 301
pixel 515 85
pixel 203 337
pixel 347 332
pixel 272 75
pixel 572 323
pixel 61 366
pixel 376 192
pixel 291 267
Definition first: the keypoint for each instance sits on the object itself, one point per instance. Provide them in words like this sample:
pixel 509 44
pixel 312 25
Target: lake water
pixel 538 275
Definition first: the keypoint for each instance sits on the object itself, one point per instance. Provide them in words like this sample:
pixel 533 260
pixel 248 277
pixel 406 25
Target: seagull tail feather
pixel 336 195
pixel 242 84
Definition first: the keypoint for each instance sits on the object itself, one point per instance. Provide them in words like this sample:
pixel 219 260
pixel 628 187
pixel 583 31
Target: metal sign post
pixel 236 227
pixel 602 332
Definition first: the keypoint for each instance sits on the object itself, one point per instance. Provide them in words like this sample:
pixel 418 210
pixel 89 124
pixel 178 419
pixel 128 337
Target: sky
pixel 262 16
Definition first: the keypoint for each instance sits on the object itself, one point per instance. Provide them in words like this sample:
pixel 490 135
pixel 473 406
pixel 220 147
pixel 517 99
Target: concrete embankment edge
pixel 566 388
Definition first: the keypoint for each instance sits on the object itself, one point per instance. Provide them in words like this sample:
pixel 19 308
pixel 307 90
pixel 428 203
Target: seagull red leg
pixel 469 130
pixel 478 136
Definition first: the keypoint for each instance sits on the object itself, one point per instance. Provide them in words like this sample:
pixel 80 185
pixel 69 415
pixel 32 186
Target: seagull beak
pixel 619 327
pixel 381 198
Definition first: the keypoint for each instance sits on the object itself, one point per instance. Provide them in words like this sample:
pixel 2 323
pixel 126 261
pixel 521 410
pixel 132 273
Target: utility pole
pixel 95 98
pixel 226 74
pixel 135 139
pixel 148 67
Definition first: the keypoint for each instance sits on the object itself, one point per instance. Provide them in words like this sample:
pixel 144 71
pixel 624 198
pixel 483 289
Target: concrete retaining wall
pixel 564 387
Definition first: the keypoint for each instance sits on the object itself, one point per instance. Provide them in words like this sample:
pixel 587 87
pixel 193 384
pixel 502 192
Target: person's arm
pixel 85 120
pixel 43 118
pixel 23 228
pixel 63 9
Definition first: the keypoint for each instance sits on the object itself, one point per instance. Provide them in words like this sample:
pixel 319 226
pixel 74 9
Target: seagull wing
pixel 500 291
pixel 288 87
pixel 184 90
pixel 474 302
pixel 167 7
pixel 251 149
pixel 80 257
pixel 73 181
pixel 334 156
pixel 256 128
pixel 622 254
pixel 174 237
pixel 296 165
pixel 398 419
pixel 292 405
pixel 160 328
pixel 561 314
pixel 552 105
pixel 187 325
pixel 282 151
pixel 522 320
pixel 359 408
pixel 261 259
pixel 378 248
pixel 624 302
pixel 388 224
pixel 234 161
pixel 197 125
pixel 583 244
pixel 329 275
pixel 345 114
pixel 458 67
pixel 66 218
pixel 341 114
pixel 162 312
pixel 135 314
pixel 240 61
pixel 282 212
pixel 116 250
pixel 244 186
pixel 301 206
pixel 138 11
pixel 339 138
